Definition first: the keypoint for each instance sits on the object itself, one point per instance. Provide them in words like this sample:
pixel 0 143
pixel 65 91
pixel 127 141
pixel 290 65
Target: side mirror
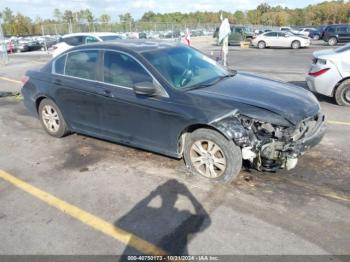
pixel 145 88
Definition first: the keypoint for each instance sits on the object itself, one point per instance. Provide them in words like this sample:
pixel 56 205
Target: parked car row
pixel 25 44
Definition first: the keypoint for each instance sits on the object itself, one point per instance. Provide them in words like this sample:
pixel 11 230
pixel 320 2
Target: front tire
pixel 52 119
pixel 210 155
pixel 261 45
pixel 296 44
pixel 342 94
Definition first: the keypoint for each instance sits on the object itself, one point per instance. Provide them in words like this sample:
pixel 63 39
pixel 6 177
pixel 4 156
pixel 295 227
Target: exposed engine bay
pixel 269 146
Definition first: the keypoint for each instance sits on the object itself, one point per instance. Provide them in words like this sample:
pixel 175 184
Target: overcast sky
pixel 44 8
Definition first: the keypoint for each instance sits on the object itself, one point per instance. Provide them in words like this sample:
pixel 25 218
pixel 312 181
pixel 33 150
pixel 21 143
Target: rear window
pixel 343 29
pixel 59 65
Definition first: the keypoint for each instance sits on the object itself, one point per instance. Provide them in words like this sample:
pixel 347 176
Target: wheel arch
pixel 38 101
pixel 338 84
pixel 191 128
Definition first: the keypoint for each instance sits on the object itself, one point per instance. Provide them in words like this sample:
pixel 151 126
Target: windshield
pixel 184 67
pixel 343 48
pixel 110 37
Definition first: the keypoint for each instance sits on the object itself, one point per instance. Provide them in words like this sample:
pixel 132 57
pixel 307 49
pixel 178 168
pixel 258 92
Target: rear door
pixel 76 91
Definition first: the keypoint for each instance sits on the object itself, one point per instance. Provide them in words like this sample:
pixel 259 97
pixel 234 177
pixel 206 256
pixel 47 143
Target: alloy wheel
pixel 208 158
pixel 332 41
pixel 50 118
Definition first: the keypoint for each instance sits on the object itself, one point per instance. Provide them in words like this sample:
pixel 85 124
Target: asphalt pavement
pixel 81 195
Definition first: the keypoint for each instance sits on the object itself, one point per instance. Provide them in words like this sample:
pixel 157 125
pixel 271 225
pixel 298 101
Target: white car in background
pixel 305 31
pixel 71 40
pixel 280 39
pixel 330 74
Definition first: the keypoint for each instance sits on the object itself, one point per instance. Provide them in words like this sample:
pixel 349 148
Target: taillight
pixel 24 79
pixel 318 73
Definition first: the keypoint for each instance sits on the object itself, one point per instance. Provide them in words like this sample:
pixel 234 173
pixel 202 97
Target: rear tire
pixel 52 119
pixel 332 41
pixel 262 45
pixel 296 44
pixel 342 93
pixel 208 154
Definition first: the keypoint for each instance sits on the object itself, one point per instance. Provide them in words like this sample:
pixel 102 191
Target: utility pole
pixel 4 56
pixel 43 33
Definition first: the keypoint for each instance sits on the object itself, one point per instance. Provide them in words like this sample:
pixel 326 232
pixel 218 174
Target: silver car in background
pixel 329 74
pixel 280 39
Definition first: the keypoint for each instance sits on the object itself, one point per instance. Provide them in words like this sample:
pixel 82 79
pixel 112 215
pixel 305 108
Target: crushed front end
pixel 271 145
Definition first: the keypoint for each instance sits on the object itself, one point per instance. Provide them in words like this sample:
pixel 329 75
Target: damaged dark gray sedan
pixel 173 100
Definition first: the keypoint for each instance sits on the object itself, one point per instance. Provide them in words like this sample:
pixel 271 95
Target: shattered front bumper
pixel 311 139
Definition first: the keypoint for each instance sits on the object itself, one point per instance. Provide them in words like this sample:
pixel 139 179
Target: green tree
pixel 105 18
pixel 57 14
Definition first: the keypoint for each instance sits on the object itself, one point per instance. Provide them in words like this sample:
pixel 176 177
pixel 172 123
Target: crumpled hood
pixel 289 101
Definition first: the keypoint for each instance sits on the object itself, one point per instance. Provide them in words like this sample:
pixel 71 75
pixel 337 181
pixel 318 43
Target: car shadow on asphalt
pixel 162 223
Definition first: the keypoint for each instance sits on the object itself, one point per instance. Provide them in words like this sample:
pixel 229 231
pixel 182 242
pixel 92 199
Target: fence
pixel 127 27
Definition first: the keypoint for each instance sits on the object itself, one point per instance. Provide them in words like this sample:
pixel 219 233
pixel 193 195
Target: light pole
pixel 4 56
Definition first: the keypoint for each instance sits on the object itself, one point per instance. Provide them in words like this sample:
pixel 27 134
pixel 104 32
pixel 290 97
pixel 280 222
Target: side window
pixel 239 30
pixel 281 34
pixel 331 29
pixel 342 29
pixel 271 34
pixel 59 65
pixel 73 40
pixel 82 64
pixel 90 39
pixel 122 70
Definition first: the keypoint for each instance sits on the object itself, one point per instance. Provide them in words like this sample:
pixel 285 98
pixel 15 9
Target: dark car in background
pixel 172 99
pixel 317 33
pixel 238 34
pixel 28 45
pixel 334 34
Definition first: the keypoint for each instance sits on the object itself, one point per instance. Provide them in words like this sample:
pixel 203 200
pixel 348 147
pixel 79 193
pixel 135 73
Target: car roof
pixel 336 25
pixel 136 45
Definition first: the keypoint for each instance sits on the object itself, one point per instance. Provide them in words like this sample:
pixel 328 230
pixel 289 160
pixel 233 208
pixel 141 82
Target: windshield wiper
pixel 217 80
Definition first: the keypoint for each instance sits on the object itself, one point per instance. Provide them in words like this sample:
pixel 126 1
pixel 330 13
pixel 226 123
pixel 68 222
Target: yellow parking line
pixel 338 123
pixel 10 80
pixel 85 217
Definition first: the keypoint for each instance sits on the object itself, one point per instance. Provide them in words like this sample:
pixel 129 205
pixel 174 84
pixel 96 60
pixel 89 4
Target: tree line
pixel 328 12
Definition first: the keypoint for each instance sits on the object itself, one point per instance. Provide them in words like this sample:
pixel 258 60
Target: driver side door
pixel 138 120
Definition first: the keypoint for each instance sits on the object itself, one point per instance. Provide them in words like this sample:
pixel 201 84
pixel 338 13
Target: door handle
pixel 57 82
pixel 107 93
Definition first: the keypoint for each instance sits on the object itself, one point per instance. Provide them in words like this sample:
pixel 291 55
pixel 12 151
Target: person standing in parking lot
pixel 224 33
